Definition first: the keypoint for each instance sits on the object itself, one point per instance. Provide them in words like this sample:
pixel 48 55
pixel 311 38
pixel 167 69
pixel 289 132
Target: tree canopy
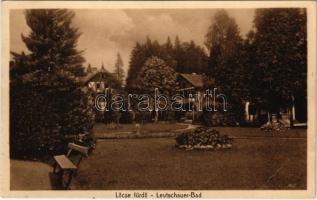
pixel 226 65
pixel 279 48
pixel 156 74
pixel 186 57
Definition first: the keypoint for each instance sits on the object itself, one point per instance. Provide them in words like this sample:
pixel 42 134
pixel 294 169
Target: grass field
pixel 246 132
pixel 144 128
pixel 252 163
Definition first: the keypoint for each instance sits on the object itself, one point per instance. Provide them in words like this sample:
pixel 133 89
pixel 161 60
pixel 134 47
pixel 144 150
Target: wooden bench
pixel 65 166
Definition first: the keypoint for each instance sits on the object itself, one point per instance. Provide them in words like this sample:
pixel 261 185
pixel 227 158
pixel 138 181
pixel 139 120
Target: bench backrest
pixel 75 147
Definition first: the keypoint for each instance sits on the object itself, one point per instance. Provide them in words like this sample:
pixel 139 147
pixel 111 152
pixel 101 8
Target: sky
pixel 108 32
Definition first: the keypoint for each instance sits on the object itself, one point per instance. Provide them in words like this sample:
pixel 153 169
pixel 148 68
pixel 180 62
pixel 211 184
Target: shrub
pixel 143 116
pixel 179 115
pixel 273 127
pixel 218 119
pixel 42 117
pixel 198 118
pixel 127 117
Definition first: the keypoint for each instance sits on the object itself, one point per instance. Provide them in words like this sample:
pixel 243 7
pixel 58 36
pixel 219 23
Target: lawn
pixel 154 163
pixel 29 175
pixel 245 132
pixel 101 128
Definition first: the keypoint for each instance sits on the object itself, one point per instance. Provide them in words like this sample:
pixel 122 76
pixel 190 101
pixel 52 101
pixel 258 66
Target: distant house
pixel 194 84
pixel 99 79
pixel 191 84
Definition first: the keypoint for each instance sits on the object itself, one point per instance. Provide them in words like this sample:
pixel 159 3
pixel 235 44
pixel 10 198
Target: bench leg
pixel 66 178
pixel 55 167
pixel 79 161
pixel 59 179
pixel 70 176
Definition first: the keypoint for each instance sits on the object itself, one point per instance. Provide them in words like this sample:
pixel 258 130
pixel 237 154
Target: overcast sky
pixel 107 32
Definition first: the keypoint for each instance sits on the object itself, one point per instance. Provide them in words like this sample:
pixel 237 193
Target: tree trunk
pixel 156 116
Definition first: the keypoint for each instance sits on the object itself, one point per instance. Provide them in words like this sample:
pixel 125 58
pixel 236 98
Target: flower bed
pixel 203 138
pixel 274 127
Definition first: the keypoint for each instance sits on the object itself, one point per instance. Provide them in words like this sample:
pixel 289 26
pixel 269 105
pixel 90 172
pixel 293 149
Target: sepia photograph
pixel 160 100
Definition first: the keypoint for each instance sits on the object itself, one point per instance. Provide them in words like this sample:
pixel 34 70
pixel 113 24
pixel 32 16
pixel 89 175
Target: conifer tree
pixel 119 72
pixel 182 57
pixel 47 102
pixel 53 40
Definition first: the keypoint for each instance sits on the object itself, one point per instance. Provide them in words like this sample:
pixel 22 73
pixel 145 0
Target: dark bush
pixel 127 117
pixel 179 115
pixel 218 119
pixel 198 118
pixel 42 116
pixel 144 117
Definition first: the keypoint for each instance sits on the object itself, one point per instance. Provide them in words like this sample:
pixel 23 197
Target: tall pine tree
pixel 119 72
pixel 46 100
pixel 53 40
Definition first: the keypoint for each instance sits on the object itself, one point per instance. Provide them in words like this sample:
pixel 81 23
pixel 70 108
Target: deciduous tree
pixel 280 51
pixel 155 74
pixel 225 47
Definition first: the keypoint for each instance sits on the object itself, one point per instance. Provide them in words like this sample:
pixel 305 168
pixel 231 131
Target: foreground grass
pixel 267 163
pixel 29 175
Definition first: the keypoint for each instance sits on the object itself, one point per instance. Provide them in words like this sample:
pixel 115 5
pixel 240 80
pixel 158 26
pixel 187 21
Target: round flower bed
pixel 203 138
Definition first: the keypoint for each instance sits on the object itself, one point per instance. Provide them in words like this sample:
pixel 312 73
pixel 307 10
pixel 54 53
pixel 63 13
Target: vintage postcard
pixel 162 99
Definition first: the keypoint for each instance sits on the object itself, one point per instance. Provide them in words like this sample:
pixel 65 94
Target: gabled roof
pixel 196 80
pixel 96 76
